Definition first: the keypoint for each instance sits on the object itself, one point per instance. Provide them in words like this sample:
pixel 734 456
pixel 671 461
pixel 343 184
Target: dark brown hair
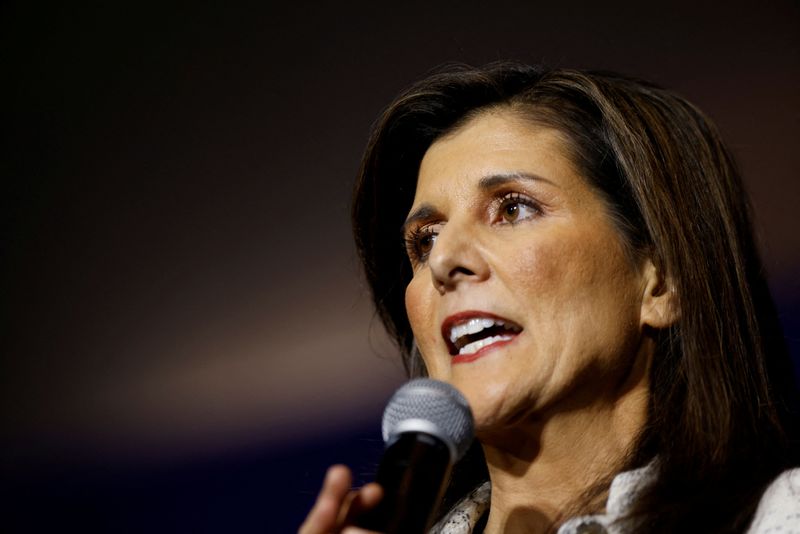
pixel 719 418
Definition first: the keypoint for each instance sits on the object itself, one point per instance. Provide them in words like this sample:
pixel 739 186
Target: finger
pixel 323 515
pixel 356 530
pixel 362 500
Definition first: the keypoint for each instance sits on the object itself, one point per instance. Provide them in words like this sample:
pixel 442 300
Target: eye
pixel 515 207
pixel 419 242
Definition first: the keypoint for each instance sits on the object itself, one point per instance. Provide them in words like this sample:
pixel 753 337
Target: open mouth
pixel 467 336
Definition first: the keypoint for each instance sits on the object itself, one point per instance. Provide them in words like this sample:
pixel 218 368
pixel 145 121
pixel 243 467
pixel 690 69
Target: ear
pixel 660 307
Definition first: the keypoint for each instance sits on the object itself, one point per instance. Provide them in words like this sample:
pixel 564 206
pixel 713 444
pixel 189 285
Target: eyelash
pixel 512 198
pixel 414 240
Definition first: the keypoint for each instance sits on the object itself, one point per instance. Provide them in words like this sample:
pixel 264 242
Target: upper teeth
pixel 473 326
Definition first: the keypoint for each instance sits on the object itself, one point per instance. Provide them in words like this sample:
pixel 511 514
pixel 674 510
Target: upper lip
pixel 462 318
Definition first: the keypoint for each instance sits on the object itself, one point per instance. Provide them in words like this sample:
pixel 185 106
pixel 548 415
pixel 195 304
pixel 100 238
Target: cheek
pixel 414 304
pixel 571 283
pixel 562 263
pixel 421 316
pixel 539 270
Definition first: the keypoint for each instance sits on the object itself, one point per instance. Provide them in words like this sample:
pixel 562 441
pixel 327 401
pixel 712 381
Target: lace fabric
pixel 778 511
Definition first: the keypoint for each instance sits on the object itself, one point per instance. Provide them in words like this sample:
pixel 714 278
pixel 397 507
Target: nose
pixel 456 258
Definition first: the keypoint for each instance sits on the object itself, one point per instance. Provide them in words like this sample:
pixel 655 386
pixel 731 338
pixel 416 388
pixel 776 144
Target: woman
pixel 579 262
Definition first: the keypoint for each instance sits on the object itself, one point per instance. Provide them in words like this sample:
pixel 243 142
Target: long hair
pixel 719 418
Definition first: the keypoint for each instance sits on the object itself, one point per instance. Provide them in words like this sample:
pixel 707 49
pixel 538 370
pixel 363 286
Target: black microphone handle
pixel 412 472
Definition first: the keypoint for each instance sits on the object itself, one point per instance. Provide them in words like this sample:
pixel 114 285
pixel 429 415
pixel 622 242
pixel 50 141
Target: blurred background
pixel 187 342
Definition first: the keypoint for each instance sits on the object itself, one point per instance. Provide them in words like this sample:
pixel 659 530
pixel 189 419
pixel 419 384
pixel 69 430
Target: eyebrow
pixel 494 180
pixel 427 211
pixel 424 212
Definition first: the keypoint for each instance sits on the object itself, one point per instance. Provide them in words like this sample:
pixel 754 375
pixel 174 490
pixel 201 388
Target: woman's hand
pixel 337 506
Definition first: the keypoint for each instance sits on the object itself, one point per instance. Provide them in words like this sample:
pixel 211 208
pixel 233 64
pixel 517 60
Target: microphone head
pixel 433 407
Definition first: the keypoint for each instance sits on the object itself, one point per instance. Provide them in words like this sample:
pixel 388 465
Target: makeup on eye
pixel 419 241
pixel 504 208
pixel 514 207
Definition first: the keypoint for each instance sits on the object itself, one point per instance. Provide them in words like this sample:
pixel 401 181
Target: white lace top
pixel 778 511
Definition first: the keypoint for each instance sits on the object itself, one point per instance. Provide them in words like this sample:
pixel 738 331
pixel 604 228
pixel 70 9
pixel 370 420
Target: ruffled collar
pixel 624 489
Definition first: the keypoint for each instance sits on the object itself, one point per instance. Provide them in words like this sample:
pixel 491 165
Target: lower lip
pixel 483 351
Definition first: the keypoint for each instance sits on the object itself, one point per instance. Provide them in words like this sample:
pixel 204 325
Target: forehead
pixel 497 142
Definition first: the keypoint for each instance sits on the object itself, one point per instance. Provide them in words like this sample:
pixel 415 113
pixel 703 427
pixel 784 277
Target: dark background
pixel 186 342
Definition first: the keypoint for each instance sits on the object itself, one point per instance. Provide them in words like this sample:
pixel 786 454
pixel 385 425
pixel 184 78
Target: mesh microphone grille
pixel 436 403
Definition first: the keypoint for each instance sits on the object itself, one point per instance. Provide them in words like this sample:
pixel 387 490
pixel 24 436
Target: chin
pixel 493 406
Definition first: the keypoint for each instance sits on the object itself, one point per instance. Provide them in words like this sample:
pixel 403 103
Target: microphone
pixel 427 427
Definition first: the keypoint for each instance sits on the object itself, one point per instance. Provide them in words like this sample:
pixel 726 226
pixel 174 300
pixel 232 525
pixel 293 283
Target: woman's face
pixel 522 296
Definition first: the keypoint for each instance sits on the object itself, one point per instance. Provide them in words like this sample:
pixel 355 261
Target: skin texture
pixel 503 224
pixel 536 247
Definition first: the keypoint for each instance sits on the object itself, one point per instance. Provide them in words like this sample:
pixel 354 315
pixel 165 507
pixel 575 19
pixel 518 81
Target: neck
pixel 551 467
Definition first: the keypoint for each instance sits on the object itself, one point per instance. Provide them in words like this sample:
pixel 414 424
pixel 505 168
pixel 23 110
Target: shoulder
pixel 779 508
